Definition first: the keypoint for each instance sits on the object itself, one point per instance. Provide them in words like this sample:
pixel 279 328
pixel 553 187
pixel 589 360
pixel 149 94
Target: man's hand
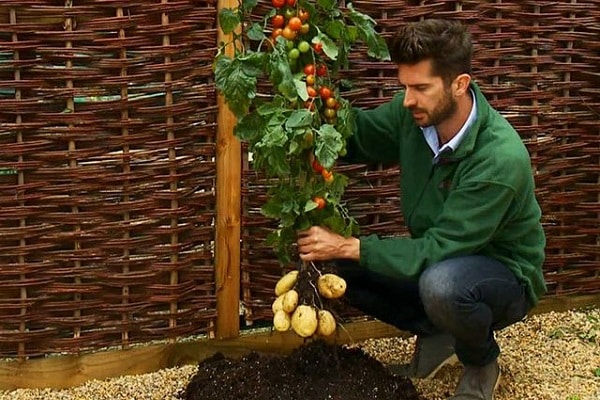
pixel 320 244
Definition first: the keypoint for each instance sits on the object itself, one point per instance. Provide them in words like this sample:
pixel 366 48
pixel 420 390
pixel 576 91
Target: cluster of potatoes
pixel 305 320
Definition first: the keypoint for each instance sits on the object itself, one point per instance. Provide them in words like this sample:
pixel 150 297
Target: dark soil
pixel 315 371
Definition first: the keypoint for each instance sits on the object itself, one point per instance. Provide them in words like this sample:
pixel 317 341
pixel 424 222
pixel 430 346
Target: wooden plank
pixel 228 210
pixel 565 303
pixel 68 371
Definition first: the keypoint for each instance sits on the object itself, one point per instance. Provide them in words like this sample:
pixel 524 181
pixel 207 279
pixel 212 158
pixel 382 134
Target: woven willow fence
pixel 108 128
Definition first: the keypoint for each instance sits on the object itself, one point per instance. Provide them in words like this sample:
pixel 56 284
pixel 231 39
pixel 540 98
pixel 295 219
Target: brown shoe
pixel 478 383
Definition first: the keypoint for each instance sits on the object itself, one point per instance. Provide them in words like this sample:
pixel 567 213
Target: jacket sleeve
pixel 376 137
pixel 469 219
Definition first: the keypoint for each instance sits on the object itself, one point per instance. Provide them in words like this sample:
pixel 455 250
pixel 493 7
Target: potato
pixel 331 286
pixel 277 304
pixel 290 301
pixel 327 323
pixel 304 320
pixel 286 282
pixel 282 321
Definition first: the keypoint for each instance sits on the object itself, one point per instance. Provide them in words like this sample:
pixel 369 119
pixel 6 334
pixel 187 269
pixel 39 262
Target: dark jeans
pixel 468 297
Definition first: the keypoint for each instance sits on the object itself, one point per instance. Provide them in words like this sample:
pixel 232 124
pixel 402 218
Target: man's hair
pixel 446 43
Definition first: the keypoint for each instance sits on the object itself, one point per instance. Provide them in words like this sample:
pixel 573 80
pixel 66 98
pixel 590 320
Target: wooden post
pixel 228 210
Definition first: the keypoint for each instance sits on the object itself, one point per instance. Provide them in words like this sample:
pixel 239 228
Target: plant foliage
pixel 298 128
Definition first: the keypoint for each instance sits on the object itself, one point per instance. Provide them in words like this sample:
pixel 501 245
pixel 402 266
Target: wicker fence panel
pixel 537 63
pixel 107 129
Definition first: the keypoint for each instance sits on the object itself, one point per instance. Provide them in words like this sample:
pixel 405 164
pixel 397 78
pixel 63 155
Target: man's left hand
pixel 321 244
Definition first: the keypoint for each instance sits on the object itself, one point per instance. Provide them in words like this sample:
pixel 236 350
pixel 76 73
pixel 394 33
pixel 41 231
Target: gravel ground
pixel 553 356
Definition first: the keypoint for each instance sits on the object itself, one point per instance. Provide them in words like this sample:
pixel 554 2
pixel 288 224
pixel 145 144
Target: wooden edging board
pixel 72 370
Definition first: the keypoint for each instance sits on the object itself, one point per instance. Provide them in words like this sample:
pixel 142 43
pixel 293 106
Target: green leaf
pixel 273 107
pixel 352 228
pixel 279 71
pixel 279 164
pixel 303 223
pixel 301 89
pixel 346 119
pixel 273 238
pixel 229 19
pixel 352 33
pixel 274 136
pixel 376 46
pixel 327 4
pixel 329 47
pixel 328 144
pixel 337 187
pixel 310 205
pixel 298 119
pixel 335 29
pixel 255 32
pixel 336 223
pixel 272 208
pixel 294 148
pixel 248 5
pixel 237 86
pixel 250 127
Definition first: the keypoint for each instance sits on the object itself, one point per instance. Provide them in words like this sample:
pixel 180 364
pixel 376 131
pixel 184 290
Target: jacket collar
pixel 468 143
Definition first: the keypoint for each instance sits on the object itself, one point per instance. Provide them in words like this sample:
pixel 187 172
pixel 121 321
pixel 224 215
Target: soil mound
pixel 316 371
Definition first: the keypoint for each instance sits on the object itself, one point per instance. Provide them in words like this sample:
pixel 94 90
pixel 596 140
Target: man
pixel 473 262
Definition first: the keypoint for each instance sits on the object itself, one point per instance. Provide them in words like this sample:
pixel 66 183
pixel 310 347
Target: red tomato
pixel 321 70
pixel 316 166
pixel 318 47
pixel 276 33
pixel 321 203
pixel 325 92
pixel 309 69
pixel 295 24
pixel 278 3
pixel 303 15
pixel 312 92
pixel 327 175
pixel 291 3
pixel 289 33
pixel 278 21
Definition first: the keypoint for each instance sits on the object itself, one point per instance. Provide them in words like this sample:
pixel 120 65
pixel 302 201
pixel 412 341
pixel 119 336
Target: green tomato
pixel 289 12
pixel 289 44
pixel 303 46
pixel 293 54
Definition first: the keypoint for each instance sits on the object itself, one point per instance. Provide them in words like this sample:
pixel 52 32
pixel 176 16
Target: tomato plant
pixel 298 128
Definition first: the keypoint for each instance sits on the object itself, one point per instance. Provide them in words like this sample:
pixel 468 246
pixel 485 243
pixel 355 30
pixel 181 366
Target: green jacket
pixel 477 200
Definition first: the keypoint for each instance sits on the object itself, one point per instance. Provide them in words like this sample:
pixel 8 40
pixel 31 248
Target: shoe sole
pixel 453 359
pixel 497 383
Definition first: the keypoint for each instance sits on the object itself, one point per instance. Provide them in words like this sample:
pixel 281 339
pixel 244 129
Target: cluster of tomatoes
pixel 305 53
pixel 327 176
pixel 306 57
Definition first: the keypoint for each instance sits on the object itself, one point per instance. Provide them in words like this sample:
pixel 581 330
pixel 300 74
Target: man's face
pixel 426 96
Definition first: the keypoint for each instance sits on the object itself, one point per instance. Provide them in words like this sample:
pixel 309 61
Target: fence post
pixel 228 210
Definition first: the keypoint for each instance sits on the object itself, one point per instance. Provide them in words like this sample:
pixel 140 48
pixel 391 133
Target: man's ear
pixel 461 84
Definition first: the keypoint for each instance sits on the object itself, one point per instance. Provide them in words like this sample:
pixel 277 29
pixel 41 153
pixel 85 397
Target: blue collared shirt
pixel 433 141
